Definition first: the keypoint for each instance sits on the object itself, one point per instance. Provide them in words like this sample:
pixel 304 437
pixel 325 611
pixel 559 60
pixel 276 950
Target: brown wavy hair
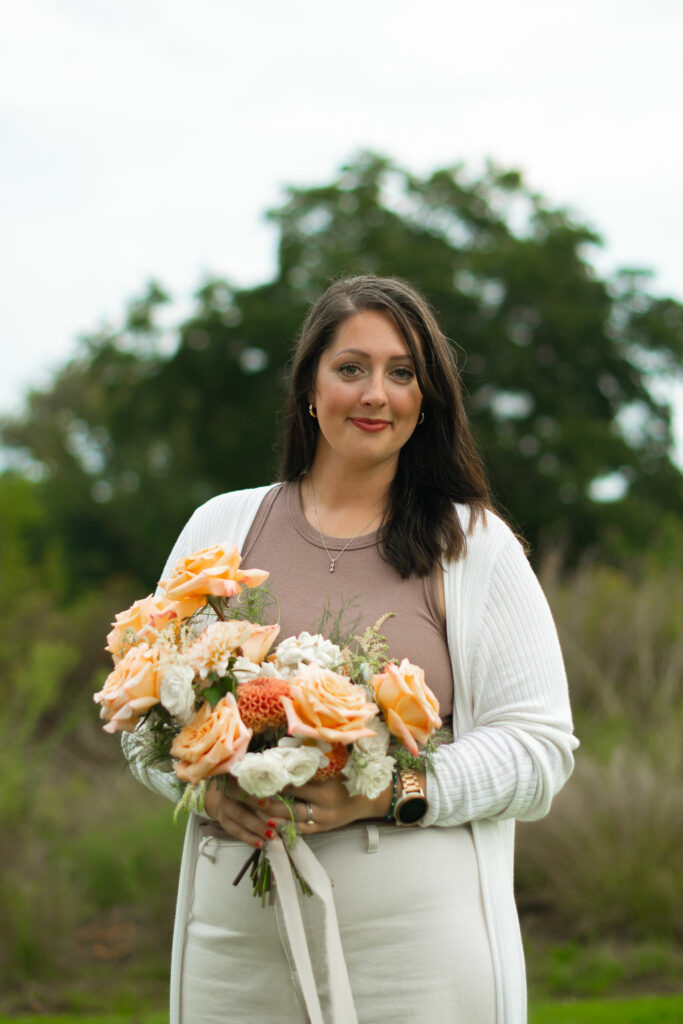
pixel 439 464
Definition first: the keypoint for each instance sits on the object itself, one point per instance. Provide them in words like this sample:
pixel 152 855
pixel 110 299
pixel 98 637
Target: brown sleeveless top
pixel 362 587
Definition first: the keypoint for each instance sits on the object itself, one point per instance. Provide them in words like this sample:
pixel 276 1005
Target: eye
pixel 404 373
pixel 349 369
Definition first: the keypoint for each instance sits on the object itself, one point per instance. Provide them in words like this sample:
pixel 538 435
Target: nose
pixel 374 394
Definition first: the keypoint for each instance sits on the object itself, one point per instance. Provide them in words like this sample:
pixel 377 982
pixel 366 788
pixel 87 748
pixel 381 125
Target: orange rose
pixel 410 708
pixel 132 688
pixel 137 623
pixel 213 743
pixel 327 706
pixel 213 572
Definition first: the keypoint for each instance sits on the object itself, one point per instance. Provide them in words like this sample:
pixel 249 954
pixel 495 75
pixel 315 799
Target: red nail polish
pixel 258 844
pixel 269 833
pixel 273 824
pixel 262 803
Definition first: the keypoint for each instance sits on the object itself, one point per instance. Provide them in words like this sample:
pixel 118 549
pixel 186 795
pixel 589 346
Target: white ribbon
pixel 342 1010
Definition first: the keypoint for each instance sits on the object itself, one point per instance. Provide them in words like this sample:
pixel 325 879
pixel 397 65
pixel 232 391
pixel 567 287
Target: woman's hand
pixel 234 812
pixel 330 804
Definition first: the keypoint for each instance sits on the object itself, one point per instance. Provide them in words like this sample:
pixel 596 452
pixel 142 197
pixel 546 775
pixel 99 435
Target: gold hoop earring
pixel 421 418
pixel 311 411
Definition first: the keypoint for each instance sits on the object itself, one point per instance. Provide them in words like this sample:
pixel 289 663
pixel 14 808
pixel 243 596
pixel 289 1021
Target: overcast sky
pixel 145 138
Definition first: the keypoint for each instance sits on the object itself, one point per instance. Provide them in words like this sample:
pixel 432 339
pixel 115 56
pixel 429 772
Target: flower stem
pixel 251 862
pixel 215 604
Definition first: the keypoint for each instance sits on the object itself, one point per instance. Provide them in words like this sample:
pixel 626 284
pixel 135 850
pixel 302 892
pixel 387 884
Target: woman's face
pixel 365 392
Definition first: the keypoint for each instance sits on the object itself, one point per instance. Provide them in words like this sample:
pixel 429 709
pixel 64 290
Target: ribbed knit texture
pixel 511 708
pixel 512 721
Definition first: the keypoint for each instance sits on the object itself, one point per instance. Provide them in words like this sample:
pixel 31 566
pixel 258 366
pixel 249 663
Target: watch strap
pixel 411 789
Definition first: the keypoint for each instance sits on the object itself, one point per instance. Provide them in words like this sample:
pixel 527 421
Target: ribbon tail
pixel 290 916
pixel 309 867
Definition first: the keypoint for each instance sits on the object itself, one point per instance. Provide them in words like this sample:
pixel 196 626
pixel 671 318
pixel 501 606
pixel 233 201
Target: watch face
pixel 412 810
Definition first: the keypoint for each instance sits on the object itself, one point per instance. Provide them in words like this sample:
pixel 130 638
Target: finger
pixel 229 791
pixel 305 792
pixel 304 812
pixel 273 807
pixel 242 823
pixel 235 831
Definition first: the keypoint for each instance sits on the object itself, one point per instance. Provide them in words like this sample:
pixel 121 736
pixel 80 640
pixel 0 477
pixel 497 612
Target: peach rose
pixel 211 572
pixel 213 743
pixel 132 688
pixel 259 642
pixel 327 706
pixel 139 622
pixel 410 708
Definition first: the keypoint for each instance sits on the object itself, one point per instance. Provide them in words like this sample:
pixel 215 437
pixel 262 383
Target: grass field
pixel 643 1010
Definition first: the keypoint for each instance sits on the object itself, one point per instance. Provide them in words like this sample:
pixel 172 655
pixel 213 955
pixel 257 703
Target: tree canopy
pixel 557 364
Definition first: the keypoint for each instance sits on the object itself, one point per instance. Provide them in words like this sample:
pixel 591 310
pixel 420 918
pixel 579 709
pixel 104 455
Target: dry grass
pixel 623 646
pixel 607 858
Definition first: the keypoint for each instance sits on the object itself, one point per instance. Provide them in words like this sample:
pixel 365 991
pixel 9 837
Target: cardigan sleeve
pixel 518 752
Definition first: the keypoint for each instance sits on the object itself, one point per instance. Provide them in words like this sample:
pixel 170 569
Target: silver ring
pixel 309 809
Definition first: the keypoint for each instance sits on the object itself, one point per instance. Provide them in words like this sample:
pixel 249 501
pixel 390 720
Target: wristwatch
pixel 411 806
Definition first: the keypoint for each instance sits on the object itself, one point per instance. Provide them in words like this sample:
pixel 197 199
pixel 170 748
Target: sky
pixel 145 138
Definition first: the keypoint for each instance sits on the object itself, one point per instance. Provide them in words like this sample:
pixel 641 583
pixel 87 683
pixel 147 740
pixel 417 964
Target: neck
pixel 348 502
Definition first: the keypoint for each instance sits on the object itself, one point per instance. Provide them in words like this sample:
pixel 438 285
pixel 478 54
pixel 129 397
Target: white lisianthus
pixel 368 775
pixel 374 746
pixel 302 762
pixel 263 774
pixel 366 672
pixel 304 649
pixel 245 670
pixel 176 692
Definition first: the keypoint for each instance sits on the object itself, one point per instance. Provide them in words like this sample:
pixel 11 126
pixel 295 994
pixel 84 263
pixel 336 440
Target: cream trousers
pixel 410 918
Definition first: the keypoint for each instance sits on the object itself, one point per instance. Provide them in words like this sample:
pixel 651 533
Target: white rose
pixel 304 649
pixel 368 776
pixel 177 694
pixel 263 774
pixel 301 762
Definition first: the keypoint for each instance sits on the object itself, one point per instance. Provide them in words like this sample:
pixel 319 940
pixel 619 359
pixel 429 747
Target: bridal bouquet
pixel 197 679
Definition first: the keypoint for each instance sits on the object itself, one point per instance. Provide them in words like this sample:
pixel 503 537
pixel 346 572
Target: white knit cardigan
pixel 512 722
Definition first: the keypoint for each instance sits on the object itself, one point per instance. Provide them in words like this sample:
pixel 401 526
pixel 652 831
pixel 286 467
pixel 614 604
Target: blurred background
pixel 178 183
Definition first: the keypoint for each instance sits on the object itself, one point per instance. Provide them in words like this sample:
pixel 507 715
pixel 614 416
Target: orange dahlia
pixel 259 703
pixel 337 756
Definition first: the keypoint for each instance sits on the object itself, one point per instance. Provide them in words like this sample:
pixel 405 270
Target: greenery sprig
pixel 366 654
pixel 218 686
pixel 253 603
pixel 424 762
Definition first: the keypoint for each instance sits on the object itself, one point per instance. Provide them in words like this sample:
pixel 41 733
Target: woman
pixel 385 505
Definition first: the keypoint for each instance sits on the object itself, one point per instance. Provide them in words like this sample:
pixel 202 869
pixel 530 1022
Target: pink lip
pixel 371 426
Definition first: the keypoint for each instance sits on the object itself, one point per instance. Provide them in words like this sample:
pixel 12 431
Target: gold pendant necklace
pixel 360 533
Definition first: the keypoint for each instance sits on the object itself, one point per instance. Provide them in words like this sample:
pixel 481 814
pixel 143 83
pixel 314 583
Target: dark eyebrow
pixel 361 352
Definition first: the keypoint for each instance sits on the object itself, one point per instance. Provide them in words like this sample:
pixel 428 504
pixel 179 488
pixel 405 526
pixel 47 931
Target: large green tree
pixel 557 364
